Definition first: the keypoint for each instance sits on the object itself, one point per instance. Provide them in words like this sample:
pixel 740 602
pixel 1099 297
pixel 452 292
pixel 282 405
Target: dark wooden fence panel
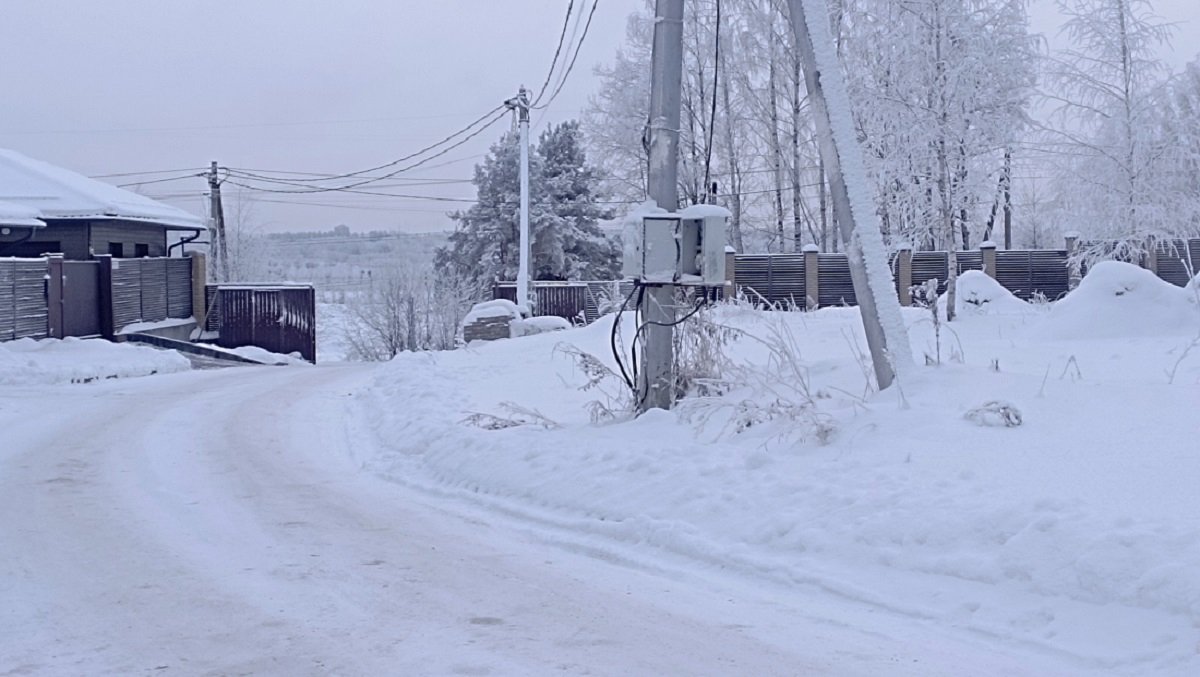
pixel 568 300
pixel 777 279
pixel 154 288
pixel 1049 275
pixel 281 319
pixel 29 289
pixel 1174 262
pixel 179 288
pixel 126 293
pixel 928 265
pixel 968 260
pixel 834 286
pixel 23 299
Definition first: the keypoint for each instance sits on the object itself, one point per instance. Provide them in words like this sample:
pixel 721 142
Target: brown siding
pixel 130 234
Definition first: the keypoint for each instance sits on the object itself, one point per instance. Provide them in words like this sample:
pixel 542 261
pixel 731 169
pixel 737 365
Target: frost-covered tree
pixel 565 237
pixel 940 89
pixel 1106 125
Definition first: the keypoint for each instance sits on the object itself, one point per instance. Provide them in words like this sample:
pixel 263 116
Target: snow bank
pixel 1118 299
pixel 1084 513
pixel 72 360
pixel 259 355
pixel 538 325
pixel 977 293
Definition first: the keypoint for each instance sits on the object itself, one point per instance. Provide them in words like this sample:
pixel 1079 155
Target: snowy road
pixel 215 523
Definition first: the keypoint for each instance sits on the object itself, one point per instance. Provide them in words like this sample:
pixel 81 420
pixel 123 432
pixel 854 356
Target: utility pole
pixel 887 337
pixel 520 103
pixel 218 222
pixel 656 382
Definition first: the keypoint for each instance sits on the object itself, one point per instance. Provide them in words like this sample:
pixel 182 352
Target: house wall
pixel 129 235
pixel 79 240
pixel 70 238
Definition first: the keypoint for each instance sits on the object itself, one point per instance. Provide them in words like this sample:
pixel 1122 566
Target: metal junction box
pixel 676 249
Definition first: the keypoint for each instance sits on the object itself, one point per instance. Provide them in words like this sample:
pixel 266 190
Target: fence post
pixel 988 251
pixel 904 274
pixel 199 277
pixel 54 296
pixel 730 291
pixel 104 294
pixel 812 276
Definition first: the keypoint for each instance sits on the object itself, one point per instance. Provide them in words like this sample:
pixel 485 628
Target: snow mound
pixel 977 293
pixel 1118 299
pixel 538 325
pixel 72 360
pixel 260 355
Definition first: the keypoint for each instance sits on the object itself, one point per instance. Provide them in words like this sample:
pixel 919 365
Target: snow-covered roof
pixel 56 193
pixel 19 215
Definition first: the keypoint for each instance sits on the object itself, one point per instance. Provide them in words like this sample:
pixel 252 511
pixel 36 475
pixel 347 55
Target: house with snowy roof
pixel 48 209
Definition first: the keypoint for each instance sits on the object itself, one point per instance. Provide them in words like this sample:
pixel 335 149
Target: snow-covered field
pixel 1074 532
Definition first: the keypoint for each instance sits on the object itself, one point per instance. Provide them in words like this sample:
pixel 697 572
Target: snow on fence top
pixel 45 191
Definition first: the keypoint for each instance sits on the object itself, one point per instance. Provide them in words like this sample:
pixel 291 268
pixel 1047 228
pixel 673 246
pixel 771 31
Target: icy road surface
pixel 215 523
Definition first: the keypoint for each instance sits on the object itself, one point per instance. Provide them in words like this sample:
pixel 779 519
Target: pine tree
pixel 566 240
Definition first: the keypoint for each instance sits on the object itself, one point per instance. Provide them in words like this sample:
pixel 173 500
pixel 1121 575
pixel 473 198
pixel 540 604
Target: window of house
pixel 117 249
pixel 141 250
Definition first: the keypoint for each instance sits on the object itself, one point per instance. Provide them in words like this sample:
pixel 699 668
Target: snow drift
pixel 72 360
pixel 1053 512
pixel 977 293
pixel 1118 299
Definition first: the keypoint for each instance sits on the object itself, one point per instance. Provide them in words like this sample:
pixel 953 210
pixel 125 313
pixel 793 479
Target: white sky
pixel 136 85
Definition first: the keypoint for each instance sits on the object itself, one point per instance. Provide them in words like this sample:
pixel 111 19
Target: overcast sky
pixel 113 86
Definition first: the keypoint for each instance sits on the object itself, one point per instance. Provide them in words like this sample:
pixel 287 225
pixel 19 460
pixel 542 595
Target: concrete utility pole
pixel 841 155
pixel 520 103
pixel 656 379
pixel 218 222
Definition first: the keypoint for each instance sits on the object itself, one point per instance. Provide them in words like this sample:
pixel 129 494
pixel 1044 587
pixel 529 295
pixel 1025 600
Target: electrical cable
pixel 616 351
pixel 562 36
pixel 348 187
pixel 146 183
pixel 562 81
pixel 397 161
pixel 712 120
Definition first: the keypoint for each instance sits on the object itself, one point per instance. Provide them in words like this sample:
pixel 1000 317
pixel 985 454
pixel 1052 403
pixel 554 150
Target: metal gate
pixel 281 319
pixel 81 298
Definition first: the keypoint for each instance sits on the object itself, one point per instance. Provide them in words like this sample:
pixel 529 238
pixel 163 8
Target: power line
pixel 350 186
pixel 150 181
pixel 557 51
pixel 147 173
pixel 579 45
pixel 252 125
pixel 397 161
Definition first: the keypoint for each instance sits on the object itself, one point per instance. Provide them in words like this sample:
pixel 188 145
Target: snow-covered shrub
pixel 616 401
pixel 995 413
pixel 749 392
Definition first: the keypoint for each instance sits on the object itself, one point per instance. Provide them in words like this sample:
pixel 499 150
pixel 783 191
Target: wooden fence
pixel 51 297
pixel 23 310
pixel 811 279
